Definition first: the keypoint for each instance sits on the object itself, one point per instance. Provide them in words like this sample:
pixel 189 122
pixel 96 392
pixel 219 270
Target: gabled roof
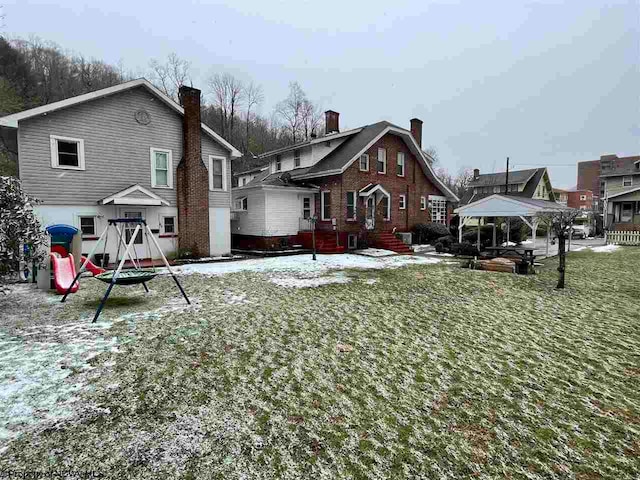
pixel 619 166
pixel 312 141
pixel 531 178
pixel 13 120
pixel 134 195
pixel 491 179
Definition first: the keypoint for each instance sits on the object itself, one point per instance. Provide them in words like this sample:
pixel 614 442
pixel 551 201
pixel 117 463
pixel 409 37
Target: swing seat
pixel 128 277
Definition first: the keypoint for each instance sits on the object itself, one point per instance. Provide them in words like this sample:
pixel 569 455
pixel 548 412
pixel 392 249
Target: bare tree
pixel 253 96
pixel 170 75
pixel 311 118
pixel 560 223
pixel 433 155
pixel 458 183
pixel 290 110
pixel 228 93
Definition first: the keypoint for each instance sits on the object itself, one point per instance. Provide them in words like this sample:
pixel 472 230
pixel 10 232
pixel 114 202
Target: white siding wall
pixel 283 212
pixel 70 215
pixel 251 222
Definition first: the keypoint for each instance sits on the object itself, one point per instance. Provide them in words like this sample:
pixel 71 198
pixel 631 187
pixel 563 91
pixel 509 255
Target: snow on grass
pixel 304 264
pixel 605 248
pixel 375 252
pixel 35 386
pixel 297 282
pixel 423 248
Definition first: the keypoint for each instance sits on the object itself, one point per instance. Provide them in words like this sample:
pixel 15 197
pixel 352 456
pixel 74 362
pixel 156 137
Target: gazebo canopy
pixel 498 205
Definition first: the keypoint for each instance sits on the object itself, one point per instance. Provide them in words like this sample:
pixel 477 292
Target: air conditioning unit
pixel 405 237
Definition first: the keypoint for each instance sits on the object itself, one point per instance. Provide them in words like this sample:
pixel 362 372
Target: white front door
pixel 139 249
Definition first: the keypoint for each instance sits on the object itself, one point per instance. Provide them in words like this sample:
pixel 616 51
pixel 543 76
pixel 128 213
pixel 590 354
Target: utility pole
pixel 506 184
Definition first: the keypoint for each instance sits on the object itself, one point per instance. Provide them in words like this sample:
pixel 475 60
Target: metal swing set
pixel 132 276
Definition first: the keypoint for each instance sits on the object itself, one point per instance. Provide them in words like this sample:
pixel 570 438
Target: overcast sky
pixel 545 83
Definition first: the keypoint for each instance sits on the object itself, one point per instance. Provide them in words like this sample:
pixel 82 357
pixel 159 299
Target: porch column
pixel 493 242
pixel 479 222
pixel 460 227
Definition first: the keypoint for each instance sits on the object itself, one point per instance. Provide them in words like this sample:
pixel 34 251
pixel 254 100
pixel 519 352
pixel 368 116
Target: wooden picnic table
pixel 526 254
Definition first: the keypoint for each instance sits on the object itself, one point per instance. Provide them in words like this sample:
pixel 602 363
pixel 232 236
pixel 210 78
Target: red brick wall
pixel 414 185
pixel 589 176
pixel 192 181
pixel 574 201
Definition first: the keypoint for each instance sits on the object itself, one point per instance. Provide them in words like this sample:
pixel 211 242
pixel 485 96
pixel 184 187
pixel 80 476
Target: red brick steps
pixel 388 241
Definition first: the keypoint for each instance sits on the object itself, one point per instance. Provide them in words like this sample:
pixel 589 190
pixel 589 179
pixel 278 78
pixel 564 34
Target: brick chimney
pixel 416 130
pixel 331 122
pixel 192 180
pixel 476 173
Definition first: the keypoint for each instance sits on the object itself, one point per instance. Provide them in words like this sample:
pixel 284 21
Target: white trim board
pixel 13 120
pixel 118 197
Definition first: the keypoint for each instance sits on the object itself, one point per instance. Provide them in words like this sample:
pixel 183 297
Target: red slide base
pixel 92 267
pixel 64 271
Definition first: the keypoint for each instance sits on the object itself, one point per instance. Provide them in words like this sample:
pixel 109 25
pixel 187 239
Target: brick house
pixel 578 199
pixel 615 182
pixel 361 185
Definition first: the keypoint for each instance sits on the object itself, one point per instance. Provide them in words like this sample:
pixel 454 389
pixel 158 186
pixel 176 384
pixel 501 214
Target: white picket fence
pixel 623 238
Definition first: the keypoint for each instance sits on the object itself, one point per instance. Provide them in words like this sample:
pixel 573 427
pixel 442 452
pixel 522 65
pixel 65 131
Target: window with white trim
pixel 423 203
pixel 325 205
pixel 382 160
pixel 242 204
pixel 583 198
pixel 217 173
pixel 296 158
pixel 438 209
pixel 161 168
pixel 88 226
pixel 364 162
pixel 169 225
pixel 352 241
pixel 400 166
pixel 306 207
pixel 278 166
pixel 67 153
pixel 627 181
pixel 402 202
pixel 351 205
pixel 385 204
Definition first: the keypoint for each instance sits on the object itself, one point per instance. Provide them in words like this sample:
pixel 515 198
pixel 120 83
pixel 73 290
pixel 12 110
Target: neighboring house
pixel 578 199
pixel 620 187
pixel 361 185
pixel 242 178
pixel 533 183
pixel 128 151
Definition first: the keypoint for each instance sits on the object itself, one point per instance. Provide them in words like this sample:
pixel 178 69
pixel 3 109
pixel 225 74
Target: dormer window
pixel 278 163
pixel 627 181
pixel 296 158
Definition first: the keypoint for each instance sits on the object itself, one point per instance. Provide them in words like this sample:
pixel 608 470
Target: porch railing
pixel 304 225
pixel 623 238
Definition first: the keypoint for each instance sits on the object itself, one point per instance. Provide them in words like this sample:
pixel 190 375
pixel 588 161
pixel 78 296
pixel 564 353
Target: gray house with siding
pixel 114 153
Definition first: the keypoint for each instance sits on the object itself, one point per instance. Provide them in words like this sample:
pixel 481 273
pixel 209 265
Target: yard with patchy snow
pixel 427 371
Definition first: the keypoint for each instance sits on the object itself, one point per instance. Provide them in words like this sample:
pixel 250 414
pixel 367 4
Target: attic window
pixel 627 181
pixel 67 153
pixel 278 163
pixel 296 158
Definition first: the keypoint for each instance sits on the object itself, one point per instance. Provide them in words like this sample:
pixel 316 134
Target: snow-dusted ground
pixel 423 248
pixel 305 265
pixel 375 252
pixel 33 373
pixel 605 248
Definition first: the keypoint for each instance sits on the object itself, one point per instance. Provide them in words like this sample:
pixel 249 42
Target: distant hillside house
pixel 533 183
pixel 128 151
pixel 361 185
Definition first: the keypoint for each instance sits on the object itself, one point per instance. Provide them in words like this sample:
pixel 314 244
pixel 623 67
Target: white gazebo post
pixel 534 228
pixel 548 234
pixel 493 241
pixel 460 226
pixel 479 222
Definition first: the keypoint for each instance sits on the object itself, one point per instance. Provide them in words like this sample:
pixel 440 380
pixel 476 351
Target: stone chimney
pixel 192 180
pixel 476 173
pixel 416 130
pixel 331 122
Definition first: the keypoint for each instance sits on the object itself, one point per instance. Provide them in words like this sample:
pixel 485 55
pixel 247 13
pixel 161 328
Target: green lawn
pixel 430 372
